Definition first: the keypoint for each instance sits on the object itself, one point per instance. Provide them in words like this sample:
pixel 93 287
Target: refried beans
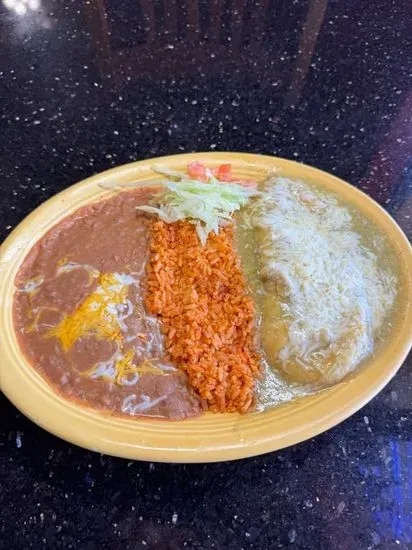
pixel 89 266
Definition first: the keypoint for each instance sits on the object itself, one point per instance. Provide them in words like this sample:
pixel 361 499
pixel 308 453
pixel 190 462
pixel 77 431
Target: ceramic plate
pixel 212 437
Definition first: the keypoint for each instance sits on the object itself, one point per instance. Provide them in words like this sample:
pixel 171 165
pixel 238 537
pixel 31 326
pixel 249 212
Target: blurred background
pixel 93 84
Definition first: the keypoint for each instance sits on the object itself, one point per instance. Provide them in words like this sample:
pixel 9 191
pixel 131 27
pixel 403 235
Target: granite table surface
pixel 85 86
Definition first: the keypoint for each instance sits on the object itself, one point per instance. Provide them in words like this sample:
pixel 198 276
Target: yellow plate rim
pixel 210 438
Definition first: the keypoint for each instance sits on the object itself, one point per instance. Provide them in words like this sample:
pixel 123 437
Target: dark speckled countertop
pixel 85 86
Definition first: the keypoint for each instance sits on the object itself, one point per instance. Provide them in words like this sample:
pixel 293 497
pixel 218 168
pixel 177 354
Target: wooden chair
pixel 223 41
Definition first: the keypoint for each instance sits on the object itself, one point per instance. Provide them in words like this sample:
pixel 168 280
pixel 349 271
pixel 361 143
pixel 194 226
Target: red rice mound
pixel 208 318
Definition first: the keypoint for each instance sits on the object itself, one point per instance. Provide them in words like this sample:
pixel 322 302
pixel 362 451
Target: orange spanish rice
pixel 200 294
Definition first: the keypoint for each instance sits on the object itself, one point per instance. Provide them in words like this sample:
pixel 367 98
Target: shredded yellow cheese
pixel 124 368
pixel 96 315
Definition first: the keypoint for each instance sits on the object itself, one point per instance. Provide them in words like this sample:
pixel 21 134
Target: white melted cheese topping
pixel 333 294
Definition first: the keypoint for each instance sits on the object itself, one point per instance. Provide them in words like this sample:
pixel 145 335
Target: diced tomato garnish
pixel 197 170
pixel 224 172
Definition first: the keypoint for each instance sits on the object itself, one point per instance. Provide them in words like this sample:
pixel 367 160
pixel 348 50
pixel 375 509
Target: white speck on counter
pixel 18 440
pixel 340 508
pixel 292 535
pixel 174 518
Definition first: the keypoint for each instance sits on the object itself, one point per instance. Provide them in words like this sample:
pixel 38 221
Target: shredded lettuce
pixel 204 204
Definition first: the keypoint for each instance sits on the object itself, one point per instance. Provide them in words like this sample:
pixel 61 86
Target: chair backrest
pixel 177 36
